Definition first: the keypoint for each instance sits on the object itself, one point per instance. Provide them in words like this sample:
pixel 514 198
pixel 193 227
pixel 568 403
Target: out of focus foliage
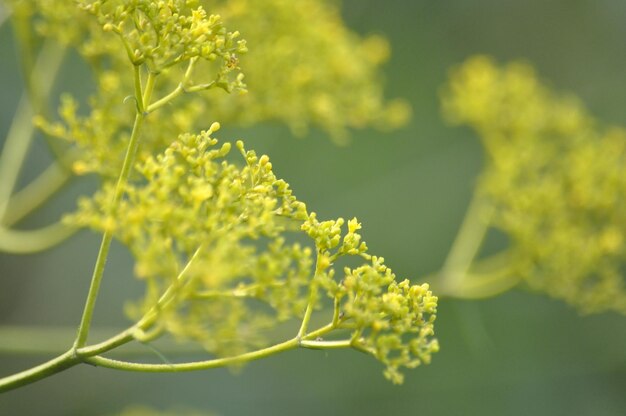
pixel 556 177
pixel 306 69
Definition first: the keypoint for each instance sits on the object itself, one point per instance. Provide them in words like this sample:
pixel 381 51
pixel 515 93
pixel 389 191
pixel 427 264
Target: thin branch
pixel 196 365
pixel 38 191
pixel 32 241
pixel 326 345
pixel 467 243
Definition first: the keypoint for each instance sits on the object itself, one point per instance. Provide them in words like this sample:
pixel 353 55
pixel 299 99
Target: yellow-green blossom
pixel 222 240
pixel 305 68
pixel 556 177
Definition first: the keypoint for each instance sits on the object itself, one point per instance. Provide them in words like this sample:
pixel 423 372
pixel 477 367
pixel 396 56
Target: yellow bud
pixel 214 127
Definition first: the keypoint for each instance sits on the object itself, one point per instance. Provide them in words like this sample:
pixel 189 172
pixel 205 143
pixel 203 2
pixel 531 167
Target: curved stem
pixel 32 241
pixel 311 302
pixel 487 277
pixel 180 89
pixel 39 80
pixel 326 345
pixel 466 244
pixel 20 133
pixel 91 354
pixel 193 366
pixel 305 342
pixel 56 365
pixel 39 340
pixel 36 193
pixel 14 152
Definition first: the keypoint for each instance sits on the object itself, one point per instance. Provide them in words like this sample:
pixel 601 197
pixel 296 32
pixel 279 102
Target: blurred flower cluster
pixel 556 178
pixel 305 68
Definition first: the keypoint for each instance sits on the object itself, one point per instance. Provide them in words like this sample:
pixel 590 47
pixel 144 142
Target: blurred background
pixel 516 354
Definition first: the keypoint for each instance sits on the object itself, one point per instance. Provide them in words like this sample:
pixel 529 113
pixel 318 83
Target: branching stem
pixel 38 191
pixel 311 302
pixel 181 89
pixel 461 275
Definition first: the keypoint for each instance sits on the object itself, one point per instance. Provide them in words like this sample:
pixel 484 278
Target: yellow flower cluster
pixel 556 178
pixel 222 241
pixel 164 33
pixel 305 68
pixel 227 227
pixel 157 37
pixel 391 320
pixel 218 243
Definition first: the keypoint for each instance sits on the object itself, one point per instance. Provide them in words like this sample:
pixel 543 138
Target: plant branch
pixel 326 345
pixel 305 342
pixel 91 354
pixel 20 133
pixel 36 193
pixel 32 241
pixel 129 158
pixel 196 365
pixel 311 302
pixel 54 366
pixel 180 89
pixel 466 245
pixel 486 277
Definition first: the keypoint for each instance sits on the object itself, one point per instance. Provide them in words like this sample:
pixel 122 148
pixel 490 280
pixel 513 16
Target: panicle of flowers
pixel 391 320
pixel 307 69
pixel 556 178
pixel 228 227
pixel 163 33
pixel 189 49
pixel 219 244
pixel 221 239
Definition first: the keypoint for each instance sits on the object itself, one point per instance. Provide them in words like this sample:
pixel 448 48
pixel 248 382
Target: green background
pixel 517 354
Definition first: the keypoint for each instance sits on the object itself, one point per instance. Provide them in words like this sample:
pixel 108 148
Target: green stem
pixel 147 95
pixel 39 340
pixel 319 332
pixel 56 365
pixel 36 193
pixel 14 152
pixel 180 89
pixel 168 296
pixel 77 354
pixel 291 344
pixel 326 345
pixel 32 241
pixel 91 355
pixel 39 79
pixel 487 277
pixel 194 366
pixel 63 362
pixel 311 302
pixel 20 134
pixel 466 244
pixel 129 158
